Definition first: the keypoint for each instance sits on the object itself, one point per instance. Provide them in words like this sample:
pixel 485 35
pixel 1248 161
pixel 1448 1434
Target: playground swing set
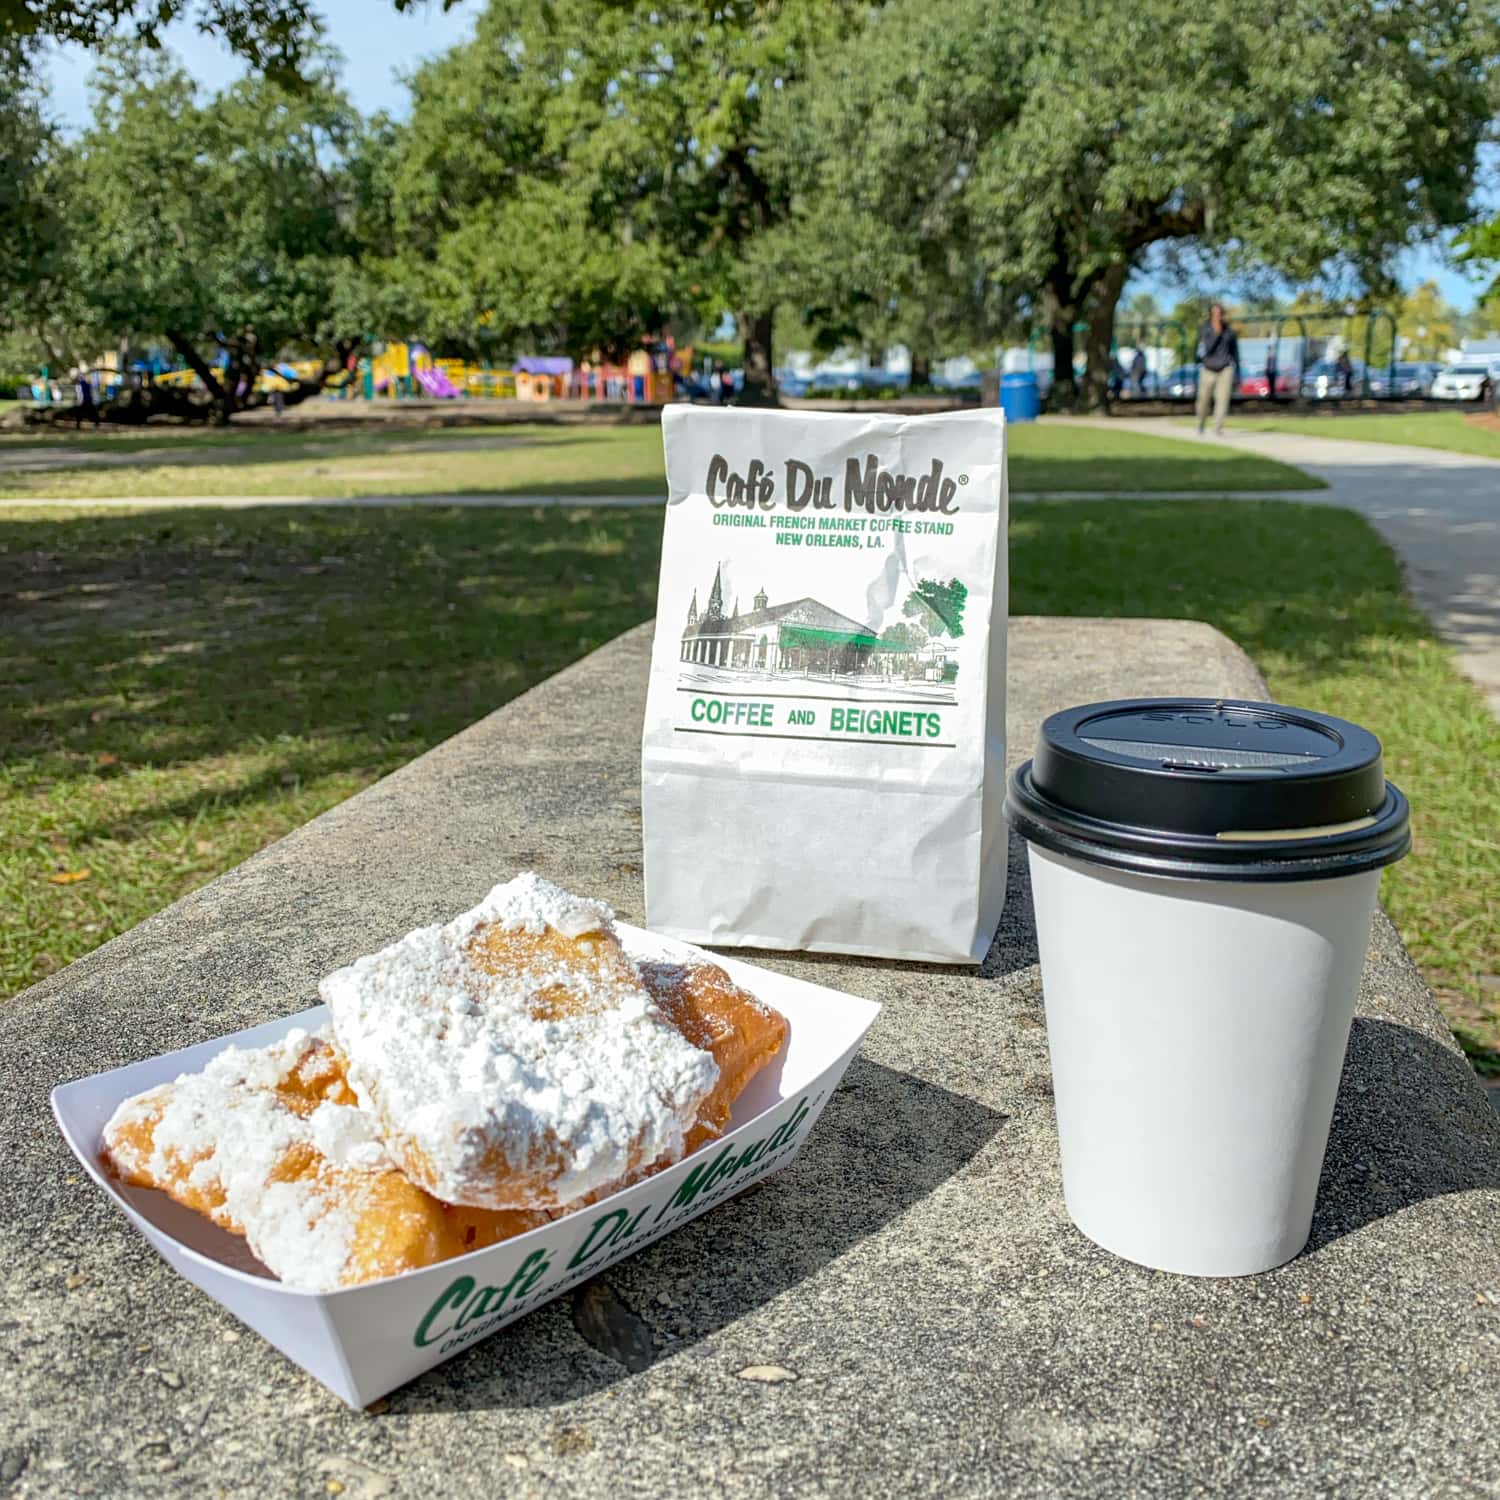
pixel 1292 332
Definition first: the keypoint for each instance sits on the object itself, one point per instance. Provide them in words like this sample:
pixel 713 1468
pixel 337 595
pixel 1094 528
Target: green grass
pixel 334 464
pixel 1457 431
pixel 183 689
pixel 1066 457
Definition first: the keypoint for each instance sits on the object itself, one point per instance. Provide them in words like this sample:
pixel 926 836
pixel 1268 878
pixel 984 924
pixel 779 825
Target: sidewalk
pixel 1439 510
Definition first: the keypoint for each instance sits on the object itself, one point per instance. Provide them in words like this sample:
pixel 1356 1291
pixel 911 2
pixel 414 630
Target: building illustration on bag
pixel 807 638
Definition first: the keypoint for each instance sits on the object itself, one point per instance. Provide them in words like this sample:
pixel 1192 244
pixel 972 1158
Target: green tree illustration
pixel 938 607
pixel 904 637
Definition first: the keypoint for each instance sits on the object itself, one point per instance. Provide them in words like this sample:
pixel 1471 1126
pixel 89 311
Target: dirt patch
pixel 1488 420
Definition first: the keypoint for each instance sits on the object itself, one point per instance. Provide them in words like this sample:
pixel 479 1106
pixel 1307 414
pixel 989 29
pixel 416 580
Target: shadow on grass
pixel 31 460
pixel 351 637
pixel 377 633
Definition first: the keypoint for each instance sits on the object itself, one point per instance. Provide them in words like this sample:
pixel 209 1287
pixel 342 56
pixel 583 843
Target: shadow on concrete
pixel 1015 945
pixel 886 1141
pixel 1409 1125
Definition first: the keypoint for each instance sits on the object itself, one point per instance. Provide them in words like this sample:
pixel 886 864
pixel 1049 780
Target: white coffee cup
pixel 1200 963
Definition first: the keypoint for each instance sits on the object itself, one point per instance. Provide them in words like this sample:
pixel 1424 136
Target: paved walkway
pixel 1439 510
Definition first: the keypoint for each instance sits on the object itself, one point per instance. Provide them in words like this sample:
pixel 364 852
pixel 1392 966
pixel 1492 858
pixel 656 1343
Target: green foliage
pixel 31 189
pixel 583 166
pixel 212 214
pixel 1055 143
pixel 938 607
pixel 1480 247
pixel 222 224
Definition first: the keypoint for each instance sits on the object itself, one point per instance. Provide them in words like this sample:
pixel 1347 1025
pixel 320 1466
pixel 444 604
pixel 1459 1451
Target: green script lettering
pixel 603 1230
pixel 460 1294
pixel 456 1294
pixel 607 1231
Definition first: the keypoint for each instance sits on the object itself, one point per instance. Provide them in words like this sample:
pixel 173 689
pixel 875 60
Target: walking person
pixel 1218 362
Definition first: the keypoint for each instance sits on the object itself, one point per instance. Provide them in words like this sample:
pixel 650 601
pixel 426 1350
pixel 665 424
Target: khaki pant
pixel 1216 386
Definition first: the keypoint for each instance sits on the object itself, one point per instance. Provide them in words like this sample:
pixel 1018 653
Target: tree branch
pixel 196 363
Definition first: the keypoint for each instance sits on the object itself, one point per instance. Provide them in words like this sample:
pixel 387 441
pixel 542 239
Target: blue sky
pixel 1426 263
pixel 380 45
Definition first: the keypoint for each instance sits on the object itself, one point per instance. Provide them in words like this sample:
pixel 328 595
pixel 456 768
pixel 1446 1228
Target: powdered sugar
pixel 490 1092
pixel 226 1133
pixel 534 904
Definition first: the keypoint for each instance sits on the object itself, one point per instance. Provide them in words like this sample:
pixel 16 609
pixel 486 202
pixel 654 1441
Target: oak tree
pixel 1069 140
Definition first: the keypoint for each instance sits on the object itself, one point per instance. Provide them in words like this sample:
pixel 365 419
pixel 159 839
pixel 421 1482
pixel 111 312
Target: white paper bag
pixel 824 745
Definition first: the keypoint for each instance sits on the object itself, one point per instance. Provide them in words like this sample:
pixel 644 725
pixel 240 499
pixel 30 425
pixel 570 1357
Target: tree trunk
pixel 921 369
pixel 220 395
pixel 1061 311
pixel 1100 335
pixel 340 361
pixel 241 373
pixel 141 400
pixel 759 388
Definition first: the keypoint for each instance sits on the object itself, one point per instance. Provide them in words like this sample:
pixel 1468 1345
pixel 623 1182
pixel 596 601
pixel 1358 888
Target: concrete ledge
pixel 948 1330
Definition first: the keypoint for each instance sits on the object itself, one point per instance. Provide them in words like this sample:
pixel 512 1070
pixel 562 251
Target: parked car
pixel 1470 381
pixel 941 381
pixel 1411 381
pixel 1257 382
pixel 1323 382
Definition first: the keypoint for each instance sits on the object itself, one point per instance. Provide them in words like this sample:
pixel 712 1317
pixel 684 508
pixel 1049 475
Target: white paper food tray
pixel 363 1341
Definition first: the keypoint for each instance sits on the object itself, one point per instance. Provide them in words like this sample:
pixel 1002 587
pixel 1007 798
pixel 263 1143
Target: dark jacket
pixel 1220 350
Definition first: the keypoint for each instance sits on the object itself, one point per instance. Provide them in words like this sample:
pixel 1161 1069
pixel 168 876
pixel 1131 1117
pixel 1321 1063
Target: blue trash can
pixel 1020 396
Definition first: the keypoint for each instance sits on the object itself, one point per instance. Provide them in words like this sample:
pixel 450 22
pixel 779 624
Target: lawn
pixel 1458 431
pixel 188 687
pixel 338 464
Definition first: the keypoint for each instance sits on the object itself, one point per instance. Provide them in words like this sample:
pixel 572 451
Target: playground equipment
pixel 434 382
pixel 400 370
pixel 540 377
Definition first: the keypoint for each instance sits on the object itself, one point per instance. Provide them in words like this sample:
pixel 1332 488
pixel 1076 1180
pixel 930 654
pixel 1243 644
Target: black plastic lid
pixel 1210 789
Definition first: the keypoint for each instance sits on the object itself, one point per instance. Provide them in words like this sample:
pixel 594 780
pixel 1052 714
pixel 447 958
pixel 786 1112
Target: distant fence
pixel 1279 350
